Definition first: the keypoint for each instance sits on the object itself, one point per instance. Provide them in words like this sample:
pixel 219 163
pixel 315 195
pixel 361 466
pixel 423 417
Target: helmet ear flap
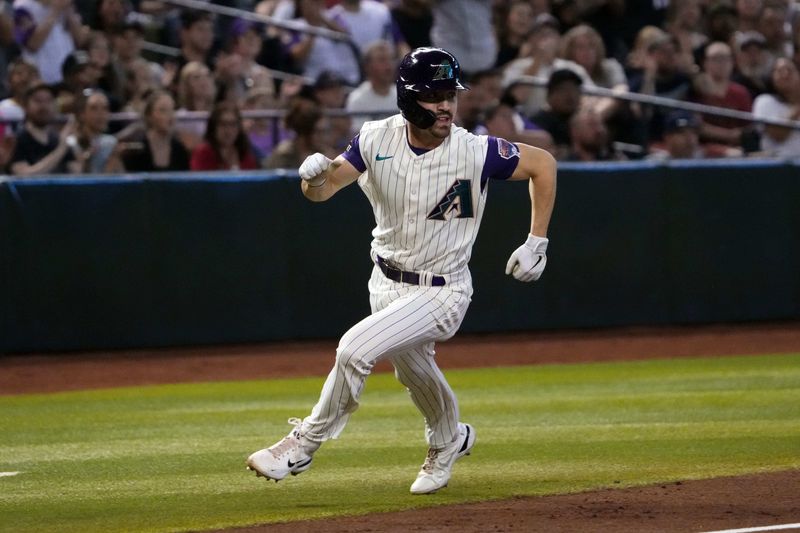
pixel 412 111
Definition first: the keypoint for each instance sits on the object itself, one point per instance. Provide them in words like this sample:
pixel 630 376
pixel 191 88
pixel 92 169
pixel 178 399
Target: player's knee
pixel 350 359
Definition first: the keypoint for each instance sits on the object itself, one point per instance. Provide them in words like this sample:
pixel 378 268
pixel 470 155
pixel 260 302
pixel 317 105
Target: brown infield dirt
pixel 758 500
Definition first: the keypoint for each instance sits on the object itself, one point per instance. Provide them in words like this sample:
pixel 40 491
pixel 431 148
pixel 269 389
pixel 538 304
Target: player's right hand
pixel 313 166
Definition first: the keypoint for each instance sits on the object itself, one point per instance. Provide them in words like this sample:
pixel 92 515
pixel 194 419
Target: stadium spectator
pixel 378 92
pixel 715 87
pixel 753 64
pixel 684 22
pixel 139 85
pixel 196 39
pixel 92 147
pixel 313 54
pixel 47 31
pixel 501 119
pixel 747 14
pixel 590 139
pixel 39 150
pixel 21 76
pixel 681 140
pixel 160 149
pixel 109 16
pixel 196 92
pixel 563 101
pixel 226 146
pixel 516 23
pixel 78 75
pixel 540 59
pixel 312 135
pixel 98 47
pixel 366 21
pixel 659 76
pixel 721 21
pixel 774 26
pixel 127 48
pixel 8 49
pixel 584 46
pixel 330 93
pixel 782 103
pixel 414 20
pixel 273 55
pixel 237 70
pixel 464 28
pixel 264 133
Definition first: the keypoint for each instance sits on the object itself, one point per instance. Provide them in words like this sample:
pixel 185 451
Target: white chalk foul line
pixel 753 529
pixel 9 474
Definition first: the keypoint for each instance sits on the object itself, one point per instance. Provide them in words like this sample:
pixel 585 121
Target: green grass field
pixel 171 458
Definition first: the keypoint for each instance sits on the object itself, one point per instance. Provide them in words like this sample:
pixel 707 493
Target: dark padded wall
pixel 171 260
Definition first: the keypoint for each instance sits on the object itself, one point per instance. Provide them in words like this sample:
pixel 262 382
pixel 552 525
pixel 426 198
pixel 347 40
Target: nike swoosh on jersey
pixel 380 157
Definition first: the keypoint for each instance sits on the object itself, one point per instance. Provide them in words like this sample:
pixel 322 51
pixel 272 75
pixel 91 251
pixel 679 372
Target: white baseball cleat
pixel 436 469
pixel 290 455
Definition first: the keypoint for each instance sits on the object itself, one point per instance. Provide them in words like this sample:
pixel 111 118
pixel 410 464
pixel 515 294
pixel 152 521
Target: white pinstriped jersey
pixel 428 206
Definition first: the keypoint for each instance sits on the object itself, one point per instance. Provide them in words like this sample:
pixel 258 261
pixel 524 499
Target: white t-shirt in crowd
pixel 768 106
pixel 372 22
pixel 364 98
pixel 55 48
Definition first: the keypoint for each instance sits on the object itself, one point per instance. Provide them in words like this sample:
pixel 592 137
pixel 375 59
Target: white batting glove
pixel 528 261
pixel 313 166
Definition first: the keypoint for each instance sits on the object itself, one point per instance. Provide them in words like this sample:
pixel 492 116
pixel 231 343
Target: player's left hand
pixel 528 261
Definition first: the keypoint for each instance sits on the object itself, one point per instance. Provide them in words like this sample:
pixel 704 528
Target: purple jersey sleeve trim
pixel 502 158
pixel 353 154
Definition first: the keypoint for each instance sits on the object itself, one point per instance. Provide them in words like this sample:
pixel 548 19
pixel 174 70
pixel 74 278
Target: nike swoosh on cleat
pixel 466 441
pixel 299 463
pixel 380 157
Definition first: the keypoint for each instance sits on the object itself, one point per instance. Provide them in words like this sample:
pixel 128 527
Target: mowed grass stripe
pixel 171 458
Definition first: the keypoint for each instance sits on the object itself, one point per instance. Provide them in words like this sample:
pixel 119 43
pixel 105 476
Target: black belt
pixel 402 276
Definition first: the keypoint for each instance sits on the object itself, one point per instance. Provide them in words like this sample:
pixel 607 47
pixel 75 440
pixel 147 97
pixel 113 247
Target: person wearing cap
pixel 753 63
pixel 40 150
pixel 563 101
pixel 78 76
pixel 236 69
pixel 681 140
pixel 127 48
pixel 47 31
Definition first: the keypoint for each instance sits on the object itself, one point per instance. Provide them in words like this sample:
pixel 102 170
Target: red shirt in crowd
pixel 204 157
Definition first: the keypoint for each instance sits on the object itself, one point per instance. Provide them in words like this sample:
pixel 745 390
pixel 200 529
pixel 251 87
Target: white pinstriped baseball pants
pixel 405 323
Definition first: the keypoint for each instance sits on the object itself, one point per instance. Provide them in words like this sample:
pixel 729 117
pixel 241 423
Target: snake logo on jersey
pixel 457 203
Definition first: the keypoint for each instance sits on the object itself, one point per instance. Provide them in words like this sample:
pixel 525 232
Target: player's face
pixel 443 104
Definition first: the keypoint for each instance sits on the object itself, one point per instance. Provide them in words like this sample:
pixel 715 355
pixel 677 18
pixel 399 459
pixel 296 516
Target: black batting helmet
pixel 424 70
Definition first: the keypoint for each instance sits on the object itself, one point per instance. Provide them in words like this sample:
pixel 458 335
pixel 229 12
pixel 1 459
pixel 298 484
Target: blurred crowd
pixel 221 92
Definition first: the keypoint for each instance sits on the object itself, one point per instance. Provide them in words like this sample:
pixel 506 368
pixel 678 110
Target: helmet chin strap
pixel 415 113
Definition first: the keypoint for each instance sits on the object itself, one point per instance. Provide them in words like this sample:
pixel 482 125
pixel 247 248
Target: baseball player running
pixel 427 181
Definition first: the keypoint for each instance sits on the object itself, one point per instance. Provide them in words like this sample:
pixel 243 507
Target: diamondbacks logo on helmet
pixel 443 72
